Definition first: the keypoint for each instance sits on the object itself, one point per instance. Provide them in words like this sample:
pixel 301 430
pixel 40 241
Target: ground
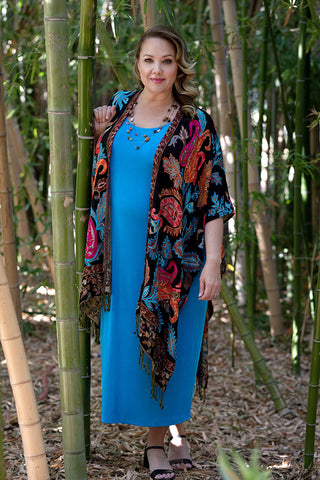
pixel 237 414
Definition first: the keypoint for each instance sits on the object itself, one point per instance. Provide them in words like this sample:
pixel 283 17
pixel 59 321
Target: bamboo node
pixel 83 137
pixel 69 370
pixel 26 425
pixel 65 192
pixel 55 19
pixel 247 334
pixel 70 319
pixel 82 209
pixel 11 339
pixel 258 361
pixel 59 112
pixel 21 383
pixel 64 264
pixel 85 57
pixel 74 452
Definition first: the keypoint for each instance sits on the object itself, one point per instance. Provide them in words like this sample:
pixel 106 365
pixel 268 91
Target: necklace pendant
pixel 146 138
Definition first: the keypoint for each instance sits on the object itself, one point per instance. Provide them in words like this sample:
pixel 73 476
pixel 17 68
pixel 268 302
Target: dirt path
pixel 237 414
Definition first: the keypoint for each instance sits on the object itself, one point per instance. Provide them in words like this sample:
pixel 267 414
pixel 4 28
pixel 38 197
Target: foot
pixel 160 468
pixel 179 453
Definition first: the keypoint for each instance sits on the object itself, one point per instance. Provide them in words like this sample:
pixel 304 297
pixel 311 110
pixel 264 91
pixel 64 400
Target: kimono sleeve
pixel 218 199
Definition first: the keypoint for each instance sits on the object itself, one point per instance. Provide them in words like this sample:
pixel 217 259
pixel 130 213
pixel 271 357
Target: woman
pixel 165 243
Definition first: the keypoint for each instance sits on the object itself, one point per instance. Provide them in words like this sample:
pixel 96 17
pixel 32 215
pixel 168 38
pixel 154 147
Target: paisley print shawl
pixel 188 189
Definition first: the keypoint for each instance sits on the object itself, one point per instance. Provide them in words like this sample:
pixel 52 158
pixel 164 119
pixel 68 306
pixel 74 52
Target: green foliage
pixel 251 471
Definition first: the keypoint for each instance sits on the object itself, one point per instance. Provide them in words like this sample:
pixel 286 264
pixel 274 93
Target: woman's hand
pixel 210 280
pixel 102 117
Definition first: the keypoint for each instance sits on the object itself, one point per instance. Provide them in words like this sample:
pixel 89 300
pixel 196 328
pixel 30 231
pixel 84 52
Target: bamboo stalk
pixel 86 61
pixel 21 383
pixel 313 386
pixel 277 62
pixel 297 224
pixel 151 13
pixel 250 344
pixel 59 114
pixel 7 227
pixel 245 161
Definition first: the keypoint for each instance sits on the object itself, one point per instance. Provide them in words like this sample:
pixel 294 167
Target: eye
pixel 168 61
pixel 148 60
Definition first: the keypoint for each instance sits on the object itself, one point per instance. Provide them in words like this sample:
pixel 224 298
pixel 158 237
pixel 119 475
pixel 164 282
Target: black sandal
pixel 181 461
pixel 158 471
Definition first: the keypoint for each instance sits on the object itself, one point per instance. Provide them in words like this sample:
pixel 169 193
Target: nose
pixel 157 67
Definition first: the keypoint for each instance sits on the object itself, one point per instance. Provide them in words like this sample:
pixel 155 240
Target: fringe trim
pixel 201 391
pixel 146 363
pixel 90 311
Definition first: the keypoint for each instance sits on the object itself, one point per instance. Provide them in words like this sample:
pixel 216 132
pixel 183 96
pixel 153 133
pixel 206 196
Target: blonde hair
pixel 184 89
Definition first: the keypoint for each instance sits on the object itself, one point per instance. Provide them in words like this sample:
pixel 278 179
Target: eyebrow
pixel 150 55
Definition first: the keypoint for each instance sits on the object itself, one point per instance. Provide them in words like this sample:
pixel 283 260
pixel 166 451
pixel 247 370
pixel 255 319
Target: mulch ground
pixel 237 414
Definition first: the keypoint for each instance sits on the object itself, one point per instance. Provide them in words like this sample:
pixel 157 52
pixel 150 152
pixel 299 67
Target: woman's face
pixel 157 65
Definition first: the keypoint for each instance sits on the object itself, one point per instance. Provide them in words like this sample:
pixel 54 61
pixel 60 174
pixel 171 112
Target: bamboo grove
pixel 257 67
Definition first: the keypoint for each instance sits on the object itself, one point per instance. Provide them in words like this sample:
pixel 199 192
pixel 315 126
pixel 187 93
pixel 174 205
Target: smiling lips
pixel 157 80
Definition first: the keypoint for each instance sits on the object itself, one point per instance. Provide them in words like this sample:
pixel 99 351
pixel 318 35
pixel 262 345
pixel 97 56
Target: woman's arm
pixel 210 278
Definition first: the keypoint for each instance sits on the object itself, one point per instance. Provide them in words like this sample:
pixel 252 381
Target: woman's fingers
pixel 102 117
pixel 104 114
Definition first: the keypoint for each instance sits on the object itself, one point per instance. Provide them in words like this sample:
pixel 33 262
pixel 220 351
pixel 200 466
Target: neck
pixel 160 101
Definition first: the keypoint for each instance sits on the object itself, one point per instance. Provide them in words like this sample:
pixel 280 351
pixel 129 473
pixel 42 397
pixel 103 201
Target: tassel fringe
pixel 147 364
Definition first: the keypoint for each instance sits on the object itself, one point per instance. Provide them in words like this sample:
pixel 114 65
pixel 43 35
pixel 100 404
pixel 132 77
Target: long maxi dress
pixel 126 396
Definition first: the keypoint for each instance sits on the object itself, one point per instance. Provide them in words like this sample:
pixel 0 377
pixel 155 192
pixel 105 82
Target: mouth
pixel 157 80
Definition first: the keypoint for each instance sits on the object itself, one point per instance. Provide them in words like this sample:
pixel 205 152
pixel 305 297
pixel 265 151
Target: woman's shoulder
pixel 203 118
pixel 121 98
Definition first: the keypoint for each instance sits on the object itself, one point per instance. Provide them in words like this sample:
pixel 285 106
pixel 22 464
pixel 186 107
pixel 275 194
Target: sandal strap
pixel 160 471
pixel 154 447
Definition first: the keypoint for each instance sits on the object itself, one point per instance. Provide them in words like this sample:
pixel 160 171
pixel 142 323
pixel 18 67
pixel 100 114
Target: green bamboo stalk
pixel 86 62
pixel 251 346
pixel 277 62
pixel 313 386
pixel 59 114
pixel 245 161
pixel 297 224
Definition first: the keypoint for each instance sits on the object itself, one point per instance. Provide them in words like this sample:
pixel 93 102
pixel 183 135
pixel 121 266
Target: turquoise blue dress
pixel 126 388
